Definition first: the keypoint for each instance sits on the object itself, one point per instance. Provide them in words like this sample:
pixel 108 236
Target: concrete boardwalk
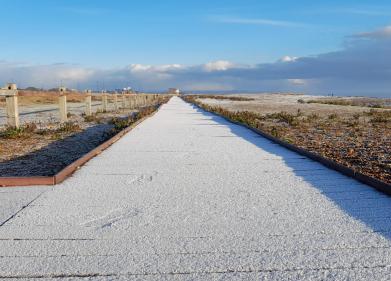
pixel 189 196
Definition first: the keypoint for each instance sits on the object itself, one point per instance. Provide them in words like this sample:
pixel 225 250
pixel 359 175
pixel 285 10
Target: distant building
pixel 127 90
pixel 174 91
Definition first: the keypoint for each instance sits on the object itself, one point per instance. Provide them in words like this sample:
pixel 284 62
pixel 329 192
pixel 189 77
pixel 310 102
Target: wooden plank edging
pixel 373 182
pixel 71 168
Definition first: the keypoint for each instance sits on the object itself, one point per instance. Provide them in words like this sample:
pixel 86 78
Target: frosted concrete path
pixel 189 196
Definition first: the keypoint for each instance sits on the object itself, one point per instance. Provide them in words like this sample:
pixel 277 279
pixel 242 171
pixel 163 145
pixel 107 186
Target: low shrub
pixel 23 131
pixel 283 116
pixel 92 118
pixel 68 127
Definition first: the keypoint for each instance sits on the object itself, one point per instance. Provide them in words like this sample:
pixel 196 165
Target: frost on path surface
pixel 189 196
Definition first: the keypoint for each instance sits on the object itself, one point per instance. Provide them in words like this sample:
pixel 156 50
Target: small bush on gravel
pixel 120 123
pixel 285 117
pixel 92 118
pixel 68 127
pixel 22 132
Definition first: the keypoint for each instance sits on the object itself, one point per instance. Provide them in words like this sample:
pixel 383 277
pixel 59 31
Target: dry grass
pixel 272 103
pixel 358 101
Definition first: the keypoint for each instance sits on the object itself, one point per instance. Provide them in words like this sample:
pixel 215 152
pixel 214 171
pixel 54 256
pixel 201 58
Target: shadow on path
pixel 358 200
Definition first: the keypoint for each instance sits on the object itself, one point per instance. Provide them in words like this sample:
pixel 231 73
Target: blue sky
pixel 102 34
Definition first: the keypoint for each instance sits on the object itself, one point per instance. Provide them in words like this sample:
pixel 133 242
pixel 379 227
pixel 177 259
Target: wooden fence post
pixel 62 103
pixel 123 100
pixel 136 101
pixel 131 102
pixel 147 99
pixel 104 101
pixel 11 100
pixel 88 101
pixel 115 101
pixel 144 100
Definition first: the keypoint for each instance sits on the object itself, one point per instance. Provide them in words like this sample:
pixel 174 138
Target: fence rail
pixel 108 102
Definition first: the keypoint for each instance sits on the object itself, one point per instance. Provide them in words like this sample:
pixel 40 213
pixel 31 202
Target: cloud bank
pixel 362 67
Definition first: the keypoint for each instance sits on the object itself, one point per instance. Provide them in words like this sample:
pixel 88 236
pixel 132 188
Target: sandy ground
pixel 270 103
pixel 190 196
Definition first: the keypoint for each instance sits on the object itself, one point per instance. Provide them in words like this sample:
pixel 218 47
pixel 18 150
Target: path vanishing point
pixel 187 195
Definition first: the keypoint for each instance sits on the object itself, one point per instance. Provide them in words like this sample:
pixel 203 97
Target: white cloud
pixel 208 87
pixel 75 74
pixel 139 67
pixel 220 65
pixel 288 59
pixel 153 68
pixel 380 33
pixel 297 81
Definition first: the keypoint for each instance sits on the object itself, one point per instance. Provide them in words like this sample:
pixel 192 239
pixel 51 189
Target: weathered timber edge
pixel 373 182
pixel 71 168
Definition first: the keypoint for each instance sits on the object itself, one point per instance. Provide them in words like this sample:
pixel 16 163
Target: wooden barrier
pixel 10 92
pixel 128 101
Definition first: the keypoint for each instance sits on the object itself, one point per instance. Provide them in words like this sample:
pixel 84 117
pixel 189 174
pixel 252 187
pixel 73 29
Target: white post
pixel 88 101
pixel 131 102
pixel 62 102
pixel 115 101
pixel 143 100
pixel 104 101
pixel 123 100
pixel 137 100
